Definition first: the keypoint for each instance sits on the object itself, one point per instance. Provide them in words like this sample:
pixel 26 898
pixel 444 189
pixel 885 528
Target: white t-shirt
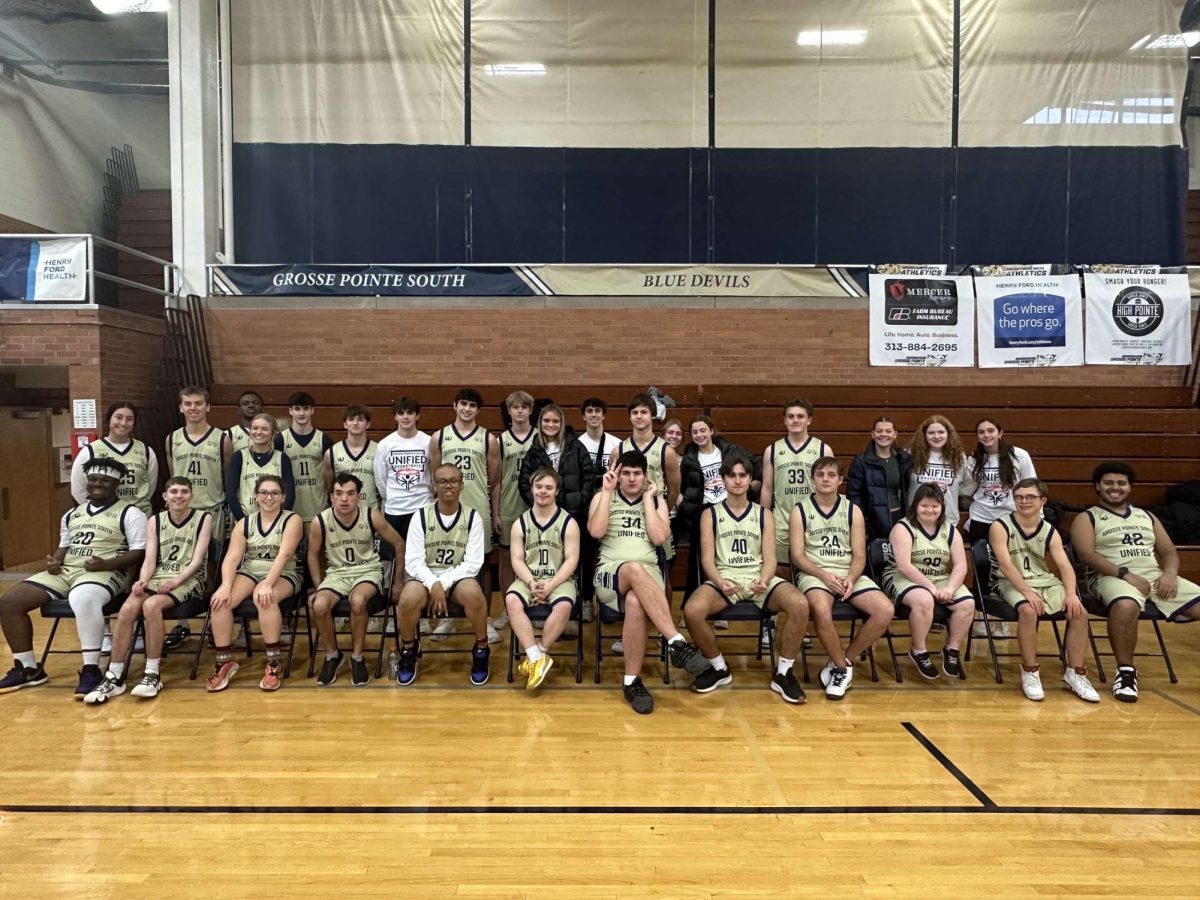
pixel 603 447
pixel 554 451
pixel 991 500
pixel 714 484
pixel 402 473
pixel 937 471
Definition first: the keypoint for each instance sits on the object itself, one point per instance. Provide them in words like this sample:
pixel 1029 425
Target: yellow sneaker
pixel 538 670
pixel 523 667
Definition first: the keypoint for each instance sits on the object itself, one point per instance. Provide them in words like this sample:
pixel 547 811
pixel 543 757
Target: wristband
pixel 1122 571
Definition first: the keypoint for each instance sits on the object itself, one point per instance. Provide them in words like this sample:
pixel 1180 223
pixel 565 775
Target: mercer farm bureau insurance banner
pixel 1138 318
pixel 918 320
pixel 1029 319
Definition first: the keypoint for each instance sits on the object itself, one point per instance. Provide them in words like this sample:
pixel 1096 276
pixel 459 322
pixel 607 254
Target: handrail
pixel 129 250
pixel 170 276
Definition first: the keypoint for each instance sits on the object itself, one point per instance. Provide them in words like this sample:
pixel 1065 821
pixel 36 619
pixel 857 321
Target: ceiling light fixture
pixel 831 37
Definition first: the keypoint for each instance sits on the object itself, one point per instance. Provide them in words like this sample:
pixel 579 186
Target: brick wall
pixel 809 346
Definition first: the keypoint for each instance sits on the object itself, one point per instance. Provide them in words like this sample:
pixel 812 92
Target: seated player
pixel 1023 545
pixel 344 564
pixel 544 549
pixel 443 553
pixel 631 523
pixel 929 566
pixel 1130 559
pixel 260 563
pixel 737 556
pixel 828 538
pixel 101 542
pixel 173 571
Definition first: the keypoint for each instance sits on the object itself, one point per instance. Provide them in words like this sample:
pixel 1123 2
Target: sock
pixel 534 653
pixel 542 647
pixel 1025 668
pixel 224 654
pixel 1080 670
pixel 784 666
pixel 272 653
pixel 116 669
pixel 630 679
pixel 717 662
pixel 677 639
pixel 1126 669
pixel 332 654
pixel 480 644
pixel 91 657
pixel 152 666
pixel 26 659
pixel 358 658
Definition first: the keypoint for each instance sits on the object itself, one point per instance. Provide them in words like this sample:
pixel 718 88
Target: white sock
pixel 677 639
pixel 152 666
pixel 784 666
pixel 358 658
pixel 116 669
pixel 542 647
pixel 27 659
pixel 630 679
pixel 534 653
pixel 331 654
pixel 717 662
pixel 91 657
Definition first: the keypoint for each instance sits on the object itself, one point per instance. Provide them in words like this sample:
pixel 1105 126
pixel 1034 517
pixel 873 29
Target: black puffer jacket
pixel 691 480
pixel 575 469
pixel 866 486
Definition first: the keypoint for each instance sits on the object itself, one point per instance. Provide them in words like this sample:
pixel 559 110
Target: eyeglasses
pixel 269 493
pixel 1027 498
pixel 447 482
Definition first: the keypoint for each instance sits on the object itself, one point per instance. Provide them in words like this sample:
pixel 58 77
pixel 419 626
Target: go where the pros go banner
pixel 1029 318
pixel 921 317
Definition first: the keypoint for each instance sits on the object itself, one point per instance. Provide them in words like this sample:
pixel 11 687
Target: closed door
pixel 27 533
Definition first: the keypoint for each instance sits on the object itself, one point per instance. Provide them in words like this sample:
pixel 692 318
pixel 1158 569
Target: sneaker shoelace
pixel 638 689
pixel 838 678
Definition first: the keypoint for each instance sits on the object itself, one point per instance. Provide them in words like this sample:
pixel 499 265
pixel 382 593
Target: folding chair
pixel 606 615
pixel 379 603
pixel 538 615
pixel 57 610
pixel 1152 614
pixel 879 554
pixel 994 608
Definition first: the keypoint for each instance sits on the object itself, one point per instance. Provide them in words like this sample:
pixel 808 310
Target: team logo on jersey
pixel 407 468
pixel 921 301
pixel 1137 311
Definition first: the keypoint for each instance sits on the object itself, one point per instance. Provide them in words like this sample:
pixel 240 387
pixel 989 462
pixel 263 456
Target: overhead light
pixel 119 7
pixel 1169 41
pixel 831 37
pixel 515 69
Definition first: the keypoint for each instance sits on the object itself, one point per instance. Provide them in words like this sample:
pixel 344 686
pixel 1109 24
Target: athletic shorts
pixel 746 595
pixel 807 583
pixel 897 586
pixel 564 593
pixel 606 582
pixel 218 520
pixel 1053 594
pixel 292 578
pixel 399 521
pixel 59 586
pixel 190 588
pixel 1109 589
pixel 343 581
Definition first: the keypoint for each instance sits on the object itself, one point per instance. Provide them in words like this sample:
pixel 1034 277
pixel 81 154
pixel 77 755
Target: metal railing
pixel 120 181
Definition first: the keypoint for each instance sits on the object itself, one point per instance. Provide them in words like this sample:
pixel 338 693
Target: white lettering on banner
pixel 1030 321
pixel 922 321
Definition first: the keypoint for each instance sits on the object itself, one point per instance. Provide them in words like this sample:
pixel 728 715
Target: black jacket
pixel 866 486
pixel 575 469
pixel 691 480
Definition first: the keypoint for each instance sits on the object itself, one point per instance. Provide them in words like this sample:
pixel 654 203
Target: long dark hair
pixel 928 491
pixel 1005 453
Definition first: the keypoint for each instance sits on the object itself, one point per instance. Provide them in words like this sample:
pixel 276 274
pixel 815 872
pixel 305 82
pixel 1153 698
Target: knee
pixel 795 604
pixel 130 609
pixel 632 603
pixel 152 608
pixel 1026 615
pixel 919 603
pixel 358 605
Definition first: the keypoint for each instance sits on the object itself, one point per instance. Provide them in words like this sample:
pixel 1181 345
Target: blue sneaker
pixel 406 669
pixel 90 678
pixel 21 677
pixel 480 660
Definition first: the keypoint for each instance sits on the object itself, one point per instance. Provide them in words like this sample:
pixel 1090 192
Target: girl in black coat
pixel 555 445
pixel 878 479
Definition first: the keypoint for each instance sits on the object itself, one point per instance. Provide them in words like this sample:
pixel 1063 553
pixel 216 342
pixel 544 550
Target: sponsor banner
pixel 309 280
pixel 52 270
pixel 1137 318
pixel 920 321
pixel 690 281
pixel 1029 320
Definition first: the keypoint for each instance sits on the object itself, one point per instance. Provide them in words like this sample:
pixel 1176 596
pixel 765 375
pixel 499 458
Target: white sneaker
pixel 979 630
pixel 375 624
pixel 444 629
pixel 588 614
pixel 493 635
pixel 1031 684
pixel 501 621
pixel 826 672
pixel 1000 629
pixel 106 644
pixel 425 627
pixel 150 686
pixel 839 682
pixel 721 624
pixel 618 648
pixel 1079 686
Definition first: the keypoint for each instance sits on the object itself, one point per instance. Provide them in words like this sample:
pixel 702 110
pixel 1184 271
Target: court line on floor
pixel 975 790
pixel 1177 702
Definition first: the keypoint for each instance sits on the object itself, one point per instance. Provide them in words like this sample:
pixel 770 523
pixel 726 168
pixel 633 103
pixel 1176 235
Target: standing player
pixel 631 523
pixel 1023 545
pixel 544 555
pixel 1130 560
pixel 469 447
pixel 402 472
pixel 119 444
pixel 507 503
pixel 260 563
pixel 306 447
pixel 442 558
pixel 828 539
pixel 786 466
pixel 737 552
pixel 345 565
pixel 237 437
pixel 599 445
pixel 101 542
pixel 929 566
pixel 194 451
pixel 173 572
pixel 251 463
pixel 992 470
pixel 354 456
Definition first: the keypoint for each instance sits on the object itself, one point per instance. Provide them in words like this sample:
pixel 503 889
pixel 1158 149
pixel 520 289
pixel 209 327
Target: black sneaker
pixel 788 687
pixel 358 672
pixel 406 669
pixel 329 671
pixel 176 637
pixel 951 663
pixel 711 679
pixel 686 656
pixel 480 663
pixel 638 697
pixel 89 679
pixel 20 677
pixel 1125 686
pixel 924 665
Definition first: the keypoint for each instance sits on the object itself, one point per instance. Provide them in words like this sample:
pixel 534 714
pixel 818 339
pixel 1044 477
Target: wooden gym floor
pixel 444 789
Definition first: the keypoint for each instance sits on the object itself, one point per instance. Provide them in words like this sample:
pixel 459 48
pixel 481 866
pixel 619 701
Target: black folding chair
pixel 1152 614
pixel 879 555
pixel 378 604
pixel 538 614
pixel 57 609
pixel 606 615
